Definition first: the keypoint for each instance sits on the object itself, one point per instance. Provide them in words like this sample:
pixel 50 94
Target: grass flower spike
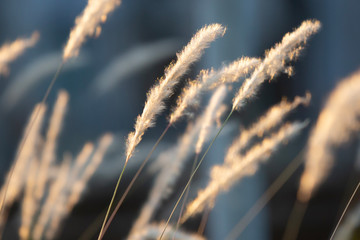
pixel 336 123
pixel 208 80
pixel 88 24
pixel 223 177
pixel 10 51
pixel 271 119
pixel 276 60
pixel 172 167
pixel 164 88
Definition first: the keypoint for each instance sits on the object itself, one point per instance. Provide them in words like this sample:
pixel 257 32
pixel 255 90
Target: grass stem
pixel 104 228
pixel 185 197
pixel 266 197
pixel 343 213
pixel 194 172
pixel 112 201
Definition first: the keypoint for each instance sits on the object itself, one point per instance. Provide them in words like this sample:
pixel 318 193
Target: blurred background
pixel 108 82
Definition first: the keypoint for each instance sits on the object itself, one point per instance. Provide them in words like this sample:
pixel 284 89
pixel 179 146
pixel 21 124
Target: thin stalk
pixel 343 213
pixel 203 222
pixel 266 197
pixel 48 90
pixel 133 181
pixel 91 230
pixel 351 181
pixel 112 200
pixel 185 197
pixel 197 167
pixel 296 217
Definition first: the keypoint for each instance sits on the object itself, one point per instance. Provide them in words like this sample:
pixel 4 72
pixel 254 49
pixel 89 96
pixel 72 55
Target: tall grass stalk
pixel 194 172
pixel 266 197
pixel 344 211
pixel 163 89
pixel 106 225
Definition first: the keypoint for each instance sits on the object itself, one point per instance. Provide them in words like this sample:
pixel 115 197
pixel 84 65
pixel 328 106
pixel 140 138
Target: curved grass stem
pixel 185 197
pixel 343 213
pixel 266 197
pixel 194 172
pixel 107 224
pixel 112 201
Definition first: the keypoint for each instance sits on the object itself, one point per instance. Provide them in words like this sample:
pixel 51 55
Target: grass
pixel 62 179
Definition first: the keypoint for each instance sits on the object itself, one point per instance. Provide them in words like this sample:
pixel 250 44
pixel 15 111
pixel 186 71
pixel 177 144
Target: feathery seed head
pixel 163 89
pixel 224 176
pixel 275 60
pixel 210 79
pixel 10 51
pixel 88 24
pixel 336 123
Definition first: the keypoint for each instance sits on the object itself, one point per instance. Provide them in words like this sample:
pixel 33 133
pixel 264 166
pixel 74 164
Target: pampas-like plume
pixel 77 183
pixel 10 51
pixel 99 154
pixel 16 184
pixel 88 24
pixel 269 120
pixel 49 151
pixel 163 89
pixel 28 208
pixel 56 190
pixel 336 122
pixel 172 169
pixel 223 177
pixel 276 60
pixel 153 231
pixel 81 160
pixel 208 80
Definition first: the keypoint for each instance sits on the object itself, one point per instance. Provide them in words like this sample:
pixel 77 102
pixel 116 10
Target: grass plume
pixel 88 24
pixel 276 60
pixel 163 89
pixel 223 177
pixel 10 51
pixel 208 80
pixel 337 122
